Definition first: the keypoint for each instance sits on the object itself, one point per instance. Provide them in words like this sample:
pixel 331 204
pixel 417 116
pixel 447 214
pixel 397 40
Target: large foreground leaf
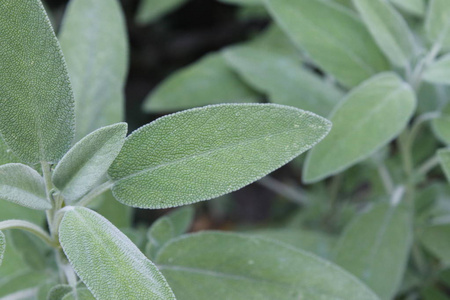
pixel 110 265
pixel 36 101
pixel 203 153
pixel 367 119
pixel 214 265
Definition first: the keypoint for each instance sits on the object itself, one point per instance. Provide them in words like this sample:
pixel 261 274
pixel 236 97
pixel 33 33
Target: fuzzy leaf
pixel 79 294
pixel 36 107
pixel 375 247
pixel 151 10
pixel 121 270
pixel 6 155
pixel 439 71
pixel 437 23
pixel 208 81
pixel 203 153
pixel 213 265
pixel 441 125
pixel 161 232
pixel 2 247
pixel 24 280
pixel 88 161
pixel 181 219
pixel 414 7
pixel 435 239
pixel 389 30
pixel 332 35
pixel 367 119
pixel 22 185
pixel 94 41
pixel 59 291
pixel 444 159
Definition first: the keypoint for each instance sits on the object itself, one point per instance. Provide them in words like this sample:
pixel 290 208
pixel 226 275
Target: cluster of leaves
pixel 376 69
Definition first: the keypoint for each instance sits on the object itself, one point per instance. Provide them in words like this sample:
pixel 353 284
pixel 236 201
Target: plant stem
pixel 30 227
pixel 280 188
pixel 86 200
pixel 386 178
pixel 427 166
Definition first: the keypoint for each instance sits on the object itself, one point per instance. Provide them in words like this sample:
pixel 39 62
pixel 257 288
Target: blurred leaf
pixel 36 111
pixel 213 265
pixel 432 293
pixel 437 23
pixel 31 248
pixel 151 10
pixel 117 213
pixel 22 281
pixel 333 36
pixel 389 30
pixel 79 294
pixel 203 153
pixel 44 289
pixel 2 247
pixel 439 71
pixel 441 125
pixel 414 7
pixel 161 232
pixel 22 185
pixel 94 41
pixel 208 81
pixel 122 271
pixel 435 239
pixel 375 246
pixel 368 118
pixel 58 292
pixel 444 159
pixel 181 219
pixel 11 210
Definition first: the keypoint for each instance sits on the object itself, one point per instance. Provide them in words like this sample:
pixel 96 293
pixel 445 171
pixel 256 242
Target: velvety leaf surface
pixel 58 292
pixel 22 185
pixel 36 107
pixel 435 239
pixel 6 155
pixel 283 79
pixel 94 41
pixel 367 119
pixel 437 23
pixel 213 265
pixel 389 30
pixel 415 7
pixel 88 161
pixel 110 265
pixel 2 247
pixel 332 35
pixel 444 159
pixel 203 153
pixel 208 81
pixel 375 247
pixel 151 10
pixel 439 71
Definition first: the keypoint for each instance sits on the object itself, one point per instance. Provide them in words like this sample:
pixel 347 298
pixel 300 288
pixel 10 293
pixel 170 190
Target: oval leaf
pixel 332 35
pixel 79 294
pixel 367 119
pixel 110 265
pixel 2 247
pixel 151 10
pixel 212 265
pixel 203 153
pixel 437 23
pixel 88 161
pixel 94 41
pixel 161 232
pixel 36 107
pixel 22 185
pixel 439 71
pixel 389 30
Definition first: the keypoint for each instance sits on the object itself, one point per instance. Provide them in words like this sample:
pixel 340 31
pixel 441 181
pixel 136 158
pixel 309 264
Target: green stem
pixel 405 150
pixel 86 200
pixel 426 167
pixel 386 178
pixel 30 227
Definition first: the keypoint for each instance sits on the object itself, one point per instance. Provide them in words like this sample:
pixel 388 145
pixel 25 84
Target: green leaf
pixel 121 271
pixel 375 246
pixel 435 239
pixel 151 10
pixel 31 248
pixel 203 153
pixel 444 159
pixel 79 294
pixel 117 213
pixel 441 125
pixel 161 232
pixel 389 29
pixel 283 79
pixel 94 41
pixel 24 280
pixel 437 23
pixel 213 265
pixel 2 247
pixel 58 292
pixel 208 81
pixel 22 185
pixel 11 210
pixel 332 35
pixel 181 219
pixel 439 71
pixel 37 109
pixel 88 161
pixel 6 155
pixel 367 119
pixel 414 7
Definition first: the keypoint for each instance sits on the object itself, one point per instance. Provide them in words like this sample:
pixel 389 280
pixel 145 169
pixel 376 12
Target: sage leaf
pixel 94 42
pixel 181 219
pixel 437 23
pixel 31 248
pixel 444 159
pixel 151 10
pixel 332 35
pixel 439 71
pixel 283 79
pixel 367 119
pixel 79 294
pixel 22 185
pixel 37 109
pixel 375 246
pixel 117 213
pixel 441 125
pixel 389 29
pixel 6 155
pixel 435 239
pixel 88 161
pixel 12 210
pixel 2 247
pixel 203 153
pixel 161 231
pixel 213 265
pixel 89 240
pixel 24 280
pixel 414 7
pixel 208 81
pixel 59 291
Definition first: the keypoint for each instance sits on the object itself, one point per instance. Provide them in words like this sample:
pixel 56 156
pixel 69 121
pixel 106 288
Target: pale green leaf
pixel 2 247
pixel 44 289
pixel 283 79
pixel 88 161
pixel 117 213
pixel 94 41
pixel 207 81
pixel 203 153
pixel 161 231
pixel 439 71
pixel 375 246
pixel 31 248
pixel 11 210
pixel 437 23
pixel 181 219
pixel 333 36
pixel 213 265
pixel 389 29
pixel 435 239
pixel 414 7
pixel 6 155
pixel 59 291
pixel 22 185
pixel 79 294
pixel 367 119
pixel 441 125
pixel 24 280
pixel 13 262
pixel 444 159
pixel 151 10
pixel 110 265
pixel 36 107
